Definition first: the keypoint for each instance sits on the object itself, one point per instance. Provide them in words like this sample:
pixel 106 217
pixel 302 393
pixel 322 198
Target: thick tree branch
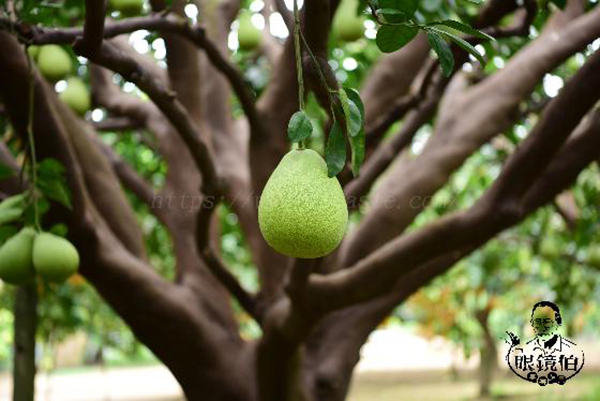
pixel 490 106
pixel 532 158
pixel 101 182
pixel 153 307
pixel 502 206
pixel 579 151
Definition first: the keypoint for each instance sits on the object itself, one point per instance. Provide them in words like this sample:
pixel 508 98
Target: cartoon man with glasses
pixel 548 357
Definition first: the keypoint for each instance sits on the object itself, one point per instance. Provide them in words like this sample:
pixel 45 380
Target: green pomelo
pixel 33 51
pixel 54 62
pixel 16 265
pixel 249 36
pixel 54 258
pixel 128 8
pixel 302 212
pixel 550 248
pixel 76 95
pixel 347 26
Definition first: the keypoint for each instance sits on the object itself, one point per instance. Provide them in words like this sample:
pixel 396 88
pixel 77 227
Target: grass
pixel 396 386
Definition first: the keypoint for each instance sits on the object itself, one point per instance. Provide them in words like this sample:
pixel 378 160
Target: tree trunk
pixel 488 355
pixel 24 351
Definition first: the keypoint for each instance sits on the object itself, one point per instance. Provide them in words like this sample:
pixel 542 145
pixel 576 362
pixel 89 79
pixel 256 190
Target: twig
pixel 117 124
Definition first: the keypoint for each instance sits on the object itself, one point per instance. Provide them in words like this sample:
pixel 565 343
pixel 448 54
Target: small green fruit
pixel 550 248
pixel 54 62
pixel 33 51
pixel 249 36
pixel 16 265
pixel 128 8
pixel 302 212
pixel 347 26
pixel 54 258
pixel 76 95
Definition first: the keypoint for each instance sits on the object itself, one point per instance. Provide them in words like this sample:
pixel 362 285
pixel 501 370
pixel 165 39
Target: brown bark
pixel 24 368
pixel 455 137
pixel 313 324
pixel 488 354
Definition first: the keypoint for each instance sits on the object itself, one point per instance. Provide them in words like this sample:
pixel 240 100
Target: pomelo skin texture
pixel 347 26
pixel 54 258
pixel 128 8
pixel 16 265
pixel 76 95
pixel 54 62
pixel 249 36
pixel 302 212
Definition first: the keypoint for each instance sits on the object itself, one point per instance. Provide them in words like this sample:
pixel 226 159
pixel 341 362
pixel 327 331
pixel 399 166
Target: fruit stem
pixel 298 56
pixel 320 73
pixel 36 212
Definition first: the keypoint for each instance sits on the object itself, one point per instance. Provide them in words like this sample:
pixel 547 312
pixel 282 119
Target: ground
pixel 154 383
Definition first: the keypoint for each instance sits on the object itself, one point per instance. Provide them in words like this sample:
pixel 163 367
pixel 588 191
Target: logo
pixel 548 358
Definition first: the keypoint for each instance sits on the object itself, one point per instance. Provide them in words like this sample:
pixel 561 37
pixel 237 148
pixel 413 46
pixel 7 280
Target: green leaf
pixel 51 166
pixel 357 142
pixel 464 28
pixel 57 191
pixel 52 182
pixel 441 48
pixel 461 43
pixel 354 96
pixel 560 3
pixel 335 151
pixel 393 37
pixel 352 114
pixel 6 172
pixel 299 127
pixel 406 7
pixel 12 208
pixel 59 229
pixel 391 15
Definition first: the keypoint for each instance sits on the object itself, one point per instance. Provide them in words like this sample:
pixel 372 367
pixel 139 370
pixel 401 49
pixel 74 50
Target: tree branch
pixel 93 29
pixel 229 281
pixel 551 131
pixel 109 95
pixel 134 182
pixel 490 106
pixel 502 206
pixel 386 153
pixel 286 15
pixel 117 124
pixel 110 57
pixel 161 23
